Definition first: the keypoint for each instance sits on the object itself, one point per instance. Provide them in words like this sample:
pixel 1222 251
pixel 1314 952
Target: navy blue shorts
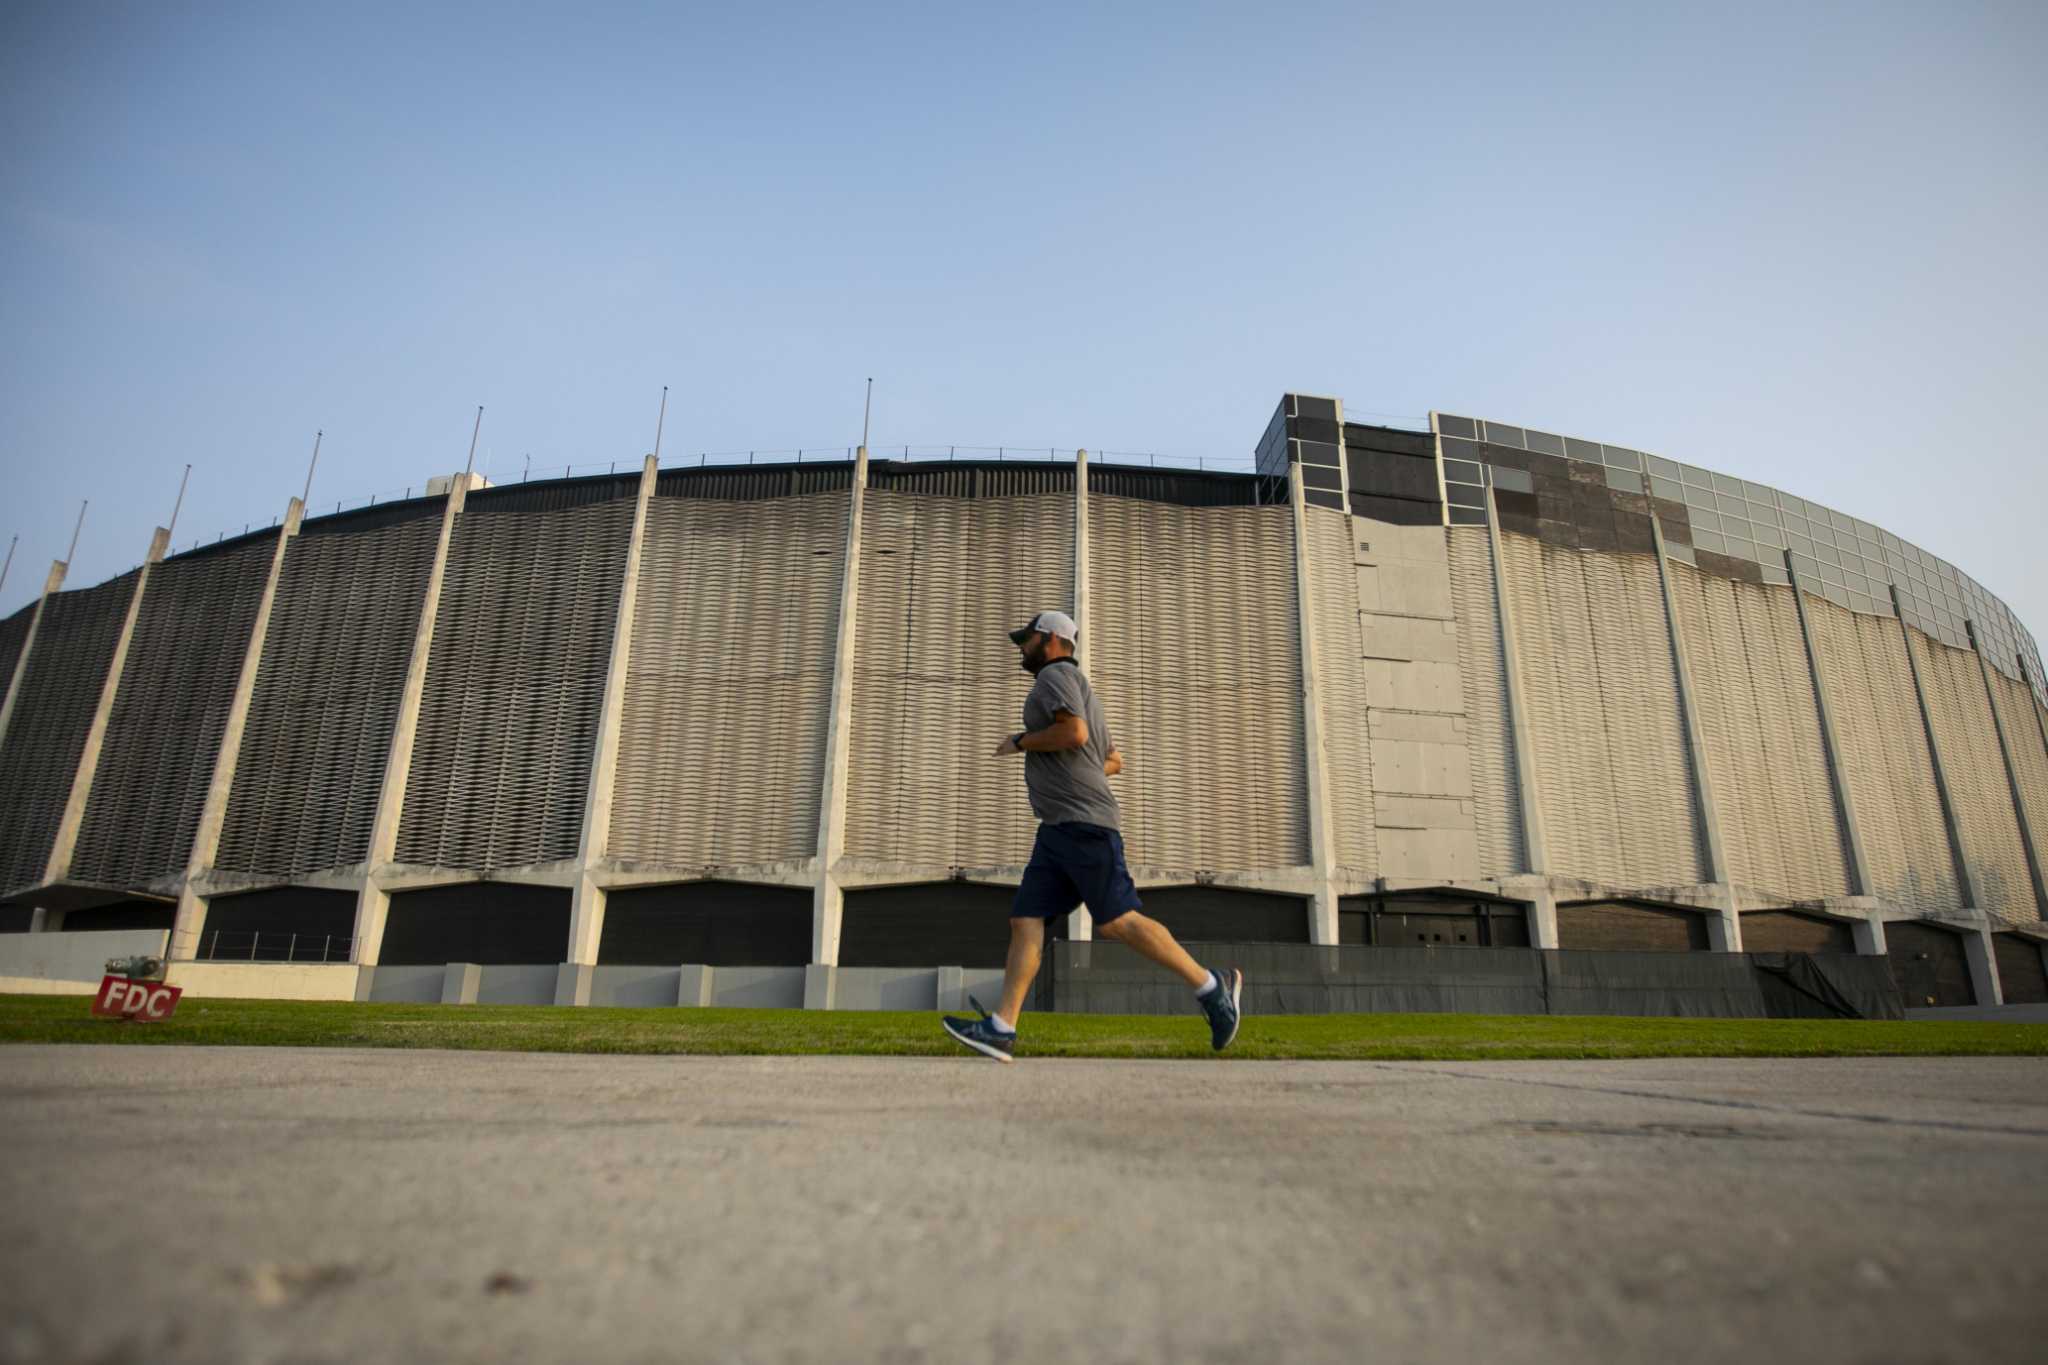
pixel 1074 864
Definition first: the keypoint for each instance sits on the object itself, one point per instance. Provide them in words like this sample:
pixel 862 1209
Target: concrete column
pixel 828 903
pixel 1543 919
pixel 2028 845
pixel 1535 850
pixel 66 842
pixel 1838 773
pixel 1080 924
pixel 373 903
pixel 1724 930
pixel 1322 925
pixel 1965 881
pixel 586 904
pixel 1977 949
pixel 1869 933
pixel 191 916
pixel 28 643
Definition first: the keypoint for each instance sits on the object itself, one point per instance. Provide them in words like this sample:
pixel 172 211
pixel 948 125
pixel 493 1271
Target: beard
pixel 1033 659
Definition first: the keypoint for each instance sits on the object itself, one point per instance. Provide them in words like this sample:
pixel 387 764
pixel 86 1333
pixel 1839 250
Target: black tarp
pixel 1285 978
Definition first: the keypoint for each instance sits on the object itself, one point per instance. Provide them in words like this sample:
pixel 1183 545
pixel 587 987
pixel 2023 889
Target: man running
pixel 1079 855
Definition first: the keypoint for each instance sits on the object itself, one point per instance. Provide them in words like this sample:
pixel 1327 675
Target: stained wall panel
pixel 515 681
pixel 1761 722
pixel 163 736
pixel 1612 769
pixel 729 681
pixel 1884 756
pixel 1496 790
pixel 2016 711
pixel 1341 689
pixel 335 656
pixel 943 580
pixel 1197 657
pixel 52 713
pixel 1961 714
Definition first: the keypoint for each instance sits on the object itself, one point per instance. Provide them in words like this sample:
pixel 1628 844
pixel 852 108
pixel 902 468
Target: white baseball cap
pixel 1049 623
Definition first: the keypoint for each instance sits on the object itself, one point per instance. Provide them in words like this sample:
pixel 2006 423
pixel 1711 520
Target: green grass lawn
pixel 1328 1037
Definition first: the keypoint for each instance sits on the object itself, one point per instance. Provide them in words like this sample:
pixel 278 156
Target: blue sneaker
pixel 1222 1008
pixel 981 1034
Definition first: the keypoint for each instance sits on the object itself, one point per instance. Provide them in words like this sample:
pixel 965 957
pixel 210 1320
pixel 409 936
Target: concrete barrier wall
pixel 638 987
pixel 40 964
pixel 517 985
pixel 266 980
pixel 411 985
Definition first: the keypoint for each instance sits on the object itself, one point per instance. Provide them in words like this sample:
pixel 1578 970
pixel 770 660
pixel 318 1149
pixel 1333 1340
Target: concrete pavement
pixel 196 1204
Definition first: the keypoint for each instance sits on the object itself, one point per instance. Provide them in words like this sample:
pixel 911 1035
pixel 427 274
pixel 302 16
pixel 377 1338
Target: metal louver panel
pixel 164 734
pixel 60 690
pixel 1341 691
pixel 935 679
pixel 1976 779
pixel 1884 756
pixel 1761 723
pixel 1197 656
pixel 2029 753
pixel 1496 799
pixel 972 480
pixel 729 681
pixel 515 680
pixel 1612 769
pixel 319 730
pixel 13 635
pixel 748 483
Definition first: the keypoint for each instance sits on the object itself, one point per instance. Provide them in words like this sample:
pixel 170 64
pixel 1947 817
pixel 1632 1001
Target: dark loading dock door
pixel 1624 927
pixel 938 924
pixel 1929 965
pixel 1435 921
pixel 2020 974
pixel 1209 914
pixel 284 924
pixel 121 915
pixel 490 923
pixel 1788 931
pixel 718 924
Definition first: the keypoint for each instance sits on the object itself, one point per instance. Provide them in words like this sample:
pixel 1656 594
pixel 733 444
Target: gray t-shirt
pixel 1069 785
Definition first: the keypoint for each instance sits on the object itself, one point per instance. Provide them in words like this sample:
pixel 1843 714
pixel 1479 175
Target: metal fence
pixel 226 945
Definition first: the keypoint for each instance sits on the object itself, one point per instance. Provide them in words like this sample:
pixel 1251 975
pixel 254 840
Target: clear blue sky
pixel 1801 243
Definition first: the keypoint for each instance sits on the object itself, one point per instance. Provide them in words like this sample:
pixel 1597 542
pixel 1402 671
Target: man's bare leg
pixel 1027 944
pixel 1151 939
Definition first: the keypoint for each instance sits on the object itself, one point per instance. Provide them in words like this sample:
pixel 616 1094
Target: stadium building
pixel 1480 717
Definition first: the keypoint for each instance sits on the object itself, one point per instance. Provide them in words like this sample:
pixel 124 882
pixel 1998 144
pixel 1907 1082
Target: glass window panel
pixel 1696 476
pixel 1775 573
pixel 1807 566
pixel 1545 442
pixel 1468 516
pixel 1724 484
pixel 1663 468
pixel 1709 540
pixel 1513 480
pixel 1792 504
pixel 1463 471
pixel 1733 506
pixel 1799 543
pixel 1621 457
pixel 1741 549
pixel 1842 523
pixel 1588 451
pixel 1763 512
pixel 1664 488
pixel 1682 553
pixel 1627 480
pixel 1703 519
pixel 1456 426
pixel 1460 450
pixel 1826 554
pixel 1771 536
pixel 1758 492
pixel 1464 495
pixel 1502 435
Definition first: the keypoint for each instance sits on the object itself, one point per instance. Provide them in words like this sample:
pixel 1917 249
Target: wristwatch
pixel 1017 740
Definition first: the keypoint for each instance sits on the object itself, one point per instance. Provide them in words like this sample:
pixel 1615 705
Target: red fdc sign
pixel 120 998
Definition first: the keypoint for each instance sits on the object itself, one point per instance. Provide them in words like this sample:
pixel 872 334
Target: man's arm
pixel 1114 764
pixel 1067 731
